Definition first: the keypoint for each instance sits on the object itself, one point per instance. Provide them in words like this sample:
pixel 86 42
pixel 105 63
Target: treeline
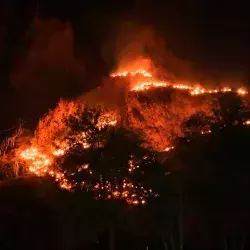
pixel 194 197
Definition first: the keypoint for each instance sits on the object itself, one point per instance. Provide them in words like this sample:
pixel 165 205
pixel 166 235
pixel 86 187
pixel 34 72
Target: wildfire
pixel 131 73
pixel 40 159
pixel 142 85
pixel 147 85
pixel 40 165
pixel 167 149
pixel 107 119
pixel 133 194
pixel 54 138
pixel 247 122
pixel 242 91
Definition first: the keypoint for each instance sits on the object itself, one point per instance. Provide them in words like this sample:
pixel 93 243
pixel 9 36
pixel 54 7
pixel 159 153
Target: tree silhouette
pixel 114 167
pixel 214 173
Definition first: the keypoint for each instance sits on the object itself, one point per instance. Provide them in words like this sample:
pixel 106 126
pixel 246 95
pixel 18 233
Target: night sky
pixel 213 35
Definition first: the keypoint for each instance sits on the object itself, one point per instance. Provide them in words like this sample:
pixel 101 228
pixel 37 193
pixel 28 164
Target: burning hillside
pixel 155 109
pixel 158 109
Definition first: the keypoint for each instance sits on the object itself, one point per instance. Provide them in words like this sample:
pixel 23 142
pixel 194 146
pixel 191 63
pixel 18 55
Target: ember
pixel 159 122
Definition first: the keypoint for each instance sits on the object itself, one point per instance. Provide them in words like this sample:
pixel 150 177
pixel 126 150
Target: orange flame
pixel 142 85
pixel 50 140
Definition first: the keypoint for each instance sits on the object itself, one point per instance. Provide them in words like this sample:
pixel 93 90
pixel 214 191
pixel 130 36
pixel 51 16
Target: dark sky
pixel 207 31
pixel 214 35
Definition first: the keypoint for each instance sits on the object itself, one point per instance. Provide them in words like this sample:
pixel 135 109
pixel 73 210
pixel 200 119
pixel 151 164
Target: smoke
pixel 111 94
pixel 49 65
pixel 135 41
pixel 134 47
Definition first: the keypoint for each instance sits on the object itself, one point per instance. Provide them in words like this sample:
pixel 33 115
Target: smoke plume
pixel 49 64
pixel 135 47
pixel 134 41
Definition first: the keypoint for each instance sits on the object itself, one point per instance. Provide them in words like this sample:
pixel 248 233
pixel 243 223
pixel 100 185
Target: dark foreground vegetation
pixel 204 200
pixel 203 206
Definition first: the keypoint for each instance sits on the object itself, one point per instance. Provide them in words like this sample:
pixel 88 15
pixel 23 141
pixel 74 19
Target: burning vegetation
pixel 72 143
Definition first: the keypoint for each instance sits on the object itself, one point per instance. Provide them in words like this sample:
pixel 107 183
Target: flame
pixel 242 91
pixel 147 85
pixel 167 149
pixel 247 122
pixel 226 89
pixel 159 133
pixel 107 119
pixel 132 73
pixel 40 164
pixel 142 85
pixel 161 123
pixel 50 140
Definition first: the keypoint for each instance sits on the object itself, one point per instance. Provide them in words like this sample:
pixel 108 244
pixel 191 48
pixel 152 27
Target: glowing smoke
pixel 49 65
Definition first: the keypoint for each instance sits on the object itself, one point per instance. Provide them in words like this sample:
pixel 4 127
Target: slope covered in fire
pixel 72 143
